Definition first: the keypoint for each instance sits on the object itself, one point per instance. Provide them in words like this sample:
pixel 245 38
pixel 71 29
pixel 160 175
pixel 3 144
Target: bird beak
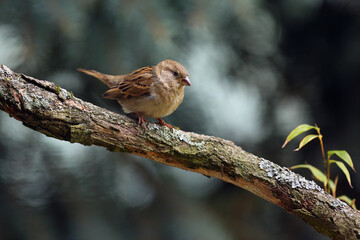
pixel 186 81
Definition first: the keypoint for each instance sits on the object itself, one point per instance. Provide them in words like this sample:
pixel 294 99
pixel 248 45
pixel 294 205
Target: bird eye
pixel 175 73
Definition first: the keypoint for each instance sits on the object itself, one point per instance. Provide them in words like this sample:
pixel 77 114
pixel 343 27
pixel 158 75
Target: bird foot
pixel 163 123
pixel 142 120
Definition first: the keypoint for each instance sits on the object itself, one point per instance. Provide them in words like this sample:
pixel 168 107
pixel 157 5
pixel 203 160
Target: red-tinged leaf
pixel 343 168
pixel 297 131
pixel 306 140
pixel 343 155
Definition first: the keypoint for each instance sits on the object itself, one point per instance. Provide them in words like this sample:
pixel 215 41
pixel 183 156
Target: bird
pixel 149 92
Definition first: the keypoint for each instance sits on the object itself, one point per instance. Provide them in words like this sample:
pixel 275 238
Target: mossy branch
pixel 55 112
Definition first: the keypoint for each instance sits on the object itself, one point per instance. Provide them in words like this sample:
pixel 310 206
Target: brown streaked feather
pixel 135 84
pixel 109 80
pixel 113 94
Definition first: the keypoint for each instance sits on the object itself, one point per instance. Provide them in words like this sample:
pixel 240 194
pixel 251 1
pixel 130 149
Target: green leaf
pixel 343 155
pixel 343 168
pixel 332 185
pixel 297 131
pixel 315 171
pixel 306 140
pixel 350 202
pixel 319 175
pixel 345 199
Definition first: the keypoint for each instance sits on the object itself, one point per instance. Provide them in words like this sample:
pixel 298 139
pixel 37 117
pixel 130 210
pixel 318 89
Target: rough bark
pixel 55 112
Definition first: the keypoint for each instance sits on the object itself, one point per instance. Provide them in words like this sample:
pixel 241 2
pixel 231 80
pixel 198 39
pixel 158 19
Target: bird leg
pixel 142 120
pixel 163 123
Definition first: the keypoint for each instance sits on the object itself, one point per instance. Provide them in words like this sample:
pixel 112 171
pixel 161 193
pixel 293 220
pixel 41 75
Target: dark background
pixel 258 69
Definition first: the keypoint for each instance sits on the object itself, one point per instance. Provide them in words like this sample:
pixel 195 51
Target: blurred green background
pixel 258 69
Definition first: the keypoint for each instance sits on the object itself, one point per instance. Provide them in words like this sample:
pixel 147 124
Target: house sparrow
pixel 153 92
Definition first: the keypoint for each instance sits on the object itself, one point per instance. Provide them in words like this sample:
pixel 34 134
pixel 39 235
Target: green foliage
pixel 344 169
pixel 306 140
pixel 349 201
pixel 343 155
pixel 296 132
pixel 318 175
pixel 324 177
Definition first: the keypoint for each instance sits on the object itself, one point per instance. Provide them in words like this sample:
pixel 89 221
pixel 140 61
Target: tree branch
pixel 55 112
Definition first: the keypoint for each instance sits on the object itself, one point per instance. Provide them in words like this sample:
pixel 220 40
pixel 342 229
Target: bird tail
pixel 109 80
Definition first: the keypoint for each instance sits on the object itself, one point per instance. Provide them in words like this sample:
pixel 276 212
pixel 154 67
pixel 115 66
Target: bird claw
pixel 142 120
pixel 163 123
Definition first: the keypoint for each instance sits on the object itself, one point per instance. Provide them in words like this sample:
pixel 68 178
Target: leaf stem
pixel 335 186
pixel 325 160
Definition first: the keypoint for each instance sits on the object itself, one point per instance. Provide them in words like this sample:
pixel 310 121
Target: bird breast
pixel 159 104
pixel 167 101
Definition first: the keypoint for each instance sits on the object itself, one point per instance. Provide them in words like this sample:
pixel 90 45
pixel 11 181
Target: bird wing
pixel 135 84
